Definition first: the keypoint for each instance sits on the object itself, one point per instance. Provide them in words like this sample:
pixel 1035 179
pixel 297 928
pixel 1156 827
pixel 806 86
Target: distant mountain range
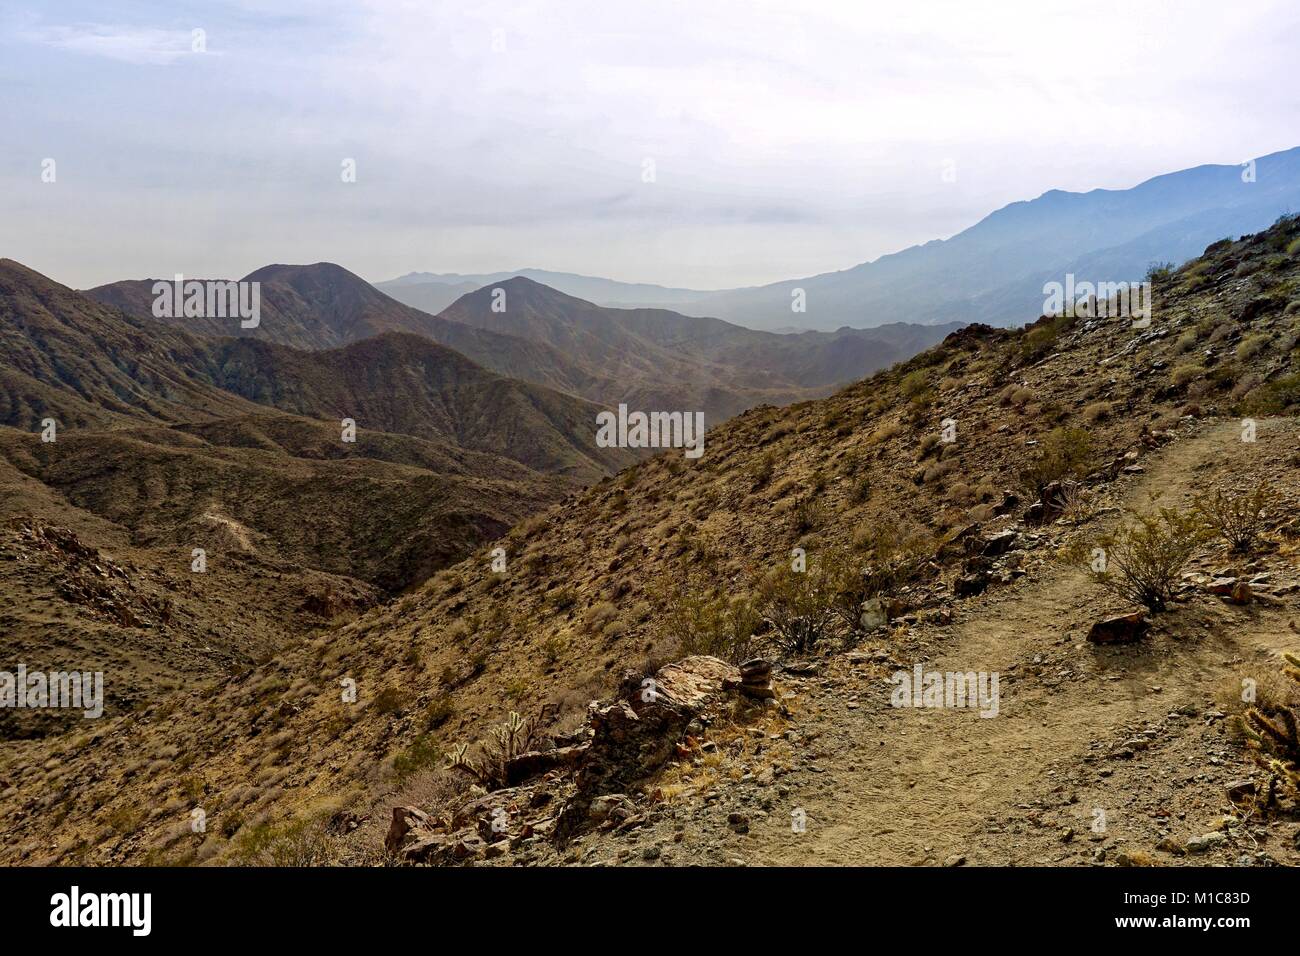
pixel 433 292
pixel 993 272
pixel 653 359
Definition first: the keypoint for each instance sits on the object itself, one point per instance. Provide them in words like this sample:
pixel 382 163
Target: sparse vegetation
pixel 1273 735
pixel 715 624
pixel 1143 559
pixel 514 736
pixel 1237 516
pixel 1065 453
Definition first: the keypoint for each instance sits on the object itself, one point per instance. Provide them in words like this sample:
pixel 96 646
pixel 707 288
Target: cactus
pixel 515 735
pixel 1274 740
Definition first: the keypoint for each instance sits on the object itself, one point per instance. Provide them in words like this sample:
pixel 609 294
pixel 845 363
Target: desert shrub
pixel 796 607
pixel 126 819
pixel 1251 346
pixel 760 472
pixel 1039 338
pixel 389 701
pixel 552 648
pixel 514 736
pixel 885 432
pixel 914 384
pixel 561 599
pixel 1065 453
pixel 1159 270
pixel 1016 395
pixel 295 843
pixel 1273 735
pixel 1275 397
pixel 850 583
pixel 1144 559
pixel 598 615
pixel 807 514
pixel 423 752
pixel 1078 504
pixel 938 471
pixel 712 624
pixel 1185 342
pixel 1097 412
pixel 1237 517
pixel 1184 374
pixel 438 712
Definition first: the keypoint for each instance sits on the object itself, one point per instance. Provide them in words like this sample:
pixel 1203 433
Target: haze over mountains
pixel 993 272
pixel 433 292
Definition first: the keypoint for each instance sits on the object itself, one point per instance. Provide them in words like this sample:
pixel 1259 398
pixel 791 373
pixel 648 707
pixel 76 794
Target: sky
pixel 704 144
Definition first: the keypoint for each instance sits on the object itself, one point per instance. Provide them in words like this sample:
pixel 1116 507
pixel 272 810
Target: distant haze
pixel 787 138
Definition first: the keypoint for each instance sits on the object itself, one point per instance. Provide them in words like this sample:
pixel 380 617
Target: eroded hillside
pixel 646 567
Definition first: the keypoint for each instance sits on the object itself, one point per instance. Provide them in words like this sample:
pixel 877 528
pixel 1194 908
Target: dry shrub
pixel 1065 453
pixel 1144 559
pixel 1237 516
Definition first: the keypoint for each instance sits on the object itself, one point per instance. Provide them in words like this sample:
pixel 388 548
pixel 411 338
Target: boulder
pixel 638 732
pixel 1119 629
pixel 999 544
pixel 533 763
pixel 405 819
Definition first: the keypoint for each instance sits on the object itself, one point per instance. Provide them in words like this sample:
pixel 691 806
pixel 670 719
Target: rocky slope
pixel 645 568
pixel 166 442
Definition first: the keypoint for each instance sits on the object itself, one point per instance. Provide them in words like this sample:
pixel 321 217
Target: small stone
pixel 1205 842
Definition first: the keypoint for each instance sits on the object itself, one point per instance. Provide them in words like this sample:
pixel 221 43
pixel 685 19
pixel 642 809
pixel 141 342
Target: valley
pixel 670 562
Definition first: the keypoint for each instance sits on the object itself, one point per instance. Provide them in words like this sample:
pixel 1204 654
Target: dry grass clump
pixel 1064 453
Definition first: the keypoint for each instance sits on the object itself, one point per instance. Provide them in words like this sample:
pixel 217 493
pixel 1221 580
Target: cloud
pixel 140 46
pixel 787 136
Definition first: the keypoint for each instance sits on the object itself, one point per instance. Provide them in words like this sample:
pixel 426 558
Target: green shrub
pixel 708 623
pixel 1144 559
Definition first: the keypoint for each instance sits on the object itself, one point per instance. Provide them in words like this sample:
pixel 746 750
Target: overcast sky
pixel 787 138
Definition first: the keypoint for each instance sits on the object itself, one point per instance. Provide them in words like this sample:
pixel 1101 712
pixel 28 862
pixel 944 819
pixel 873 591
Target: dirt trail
pixel 903 785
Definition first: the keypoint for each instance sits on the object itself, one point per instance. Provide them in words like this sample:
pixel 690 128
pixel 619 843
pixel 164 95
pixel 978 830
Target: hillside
pixel 167 441
pixel 65 354
pixel 323 306
pixel 404 383
pixel 661 359
pixel 994 271
pixel 676 557
pixel 648 358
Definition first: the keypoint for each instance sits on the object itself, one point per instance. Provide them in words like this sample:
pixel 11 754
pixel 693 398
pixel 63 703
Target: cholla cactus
pixel 1274 739
pixel 516 735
